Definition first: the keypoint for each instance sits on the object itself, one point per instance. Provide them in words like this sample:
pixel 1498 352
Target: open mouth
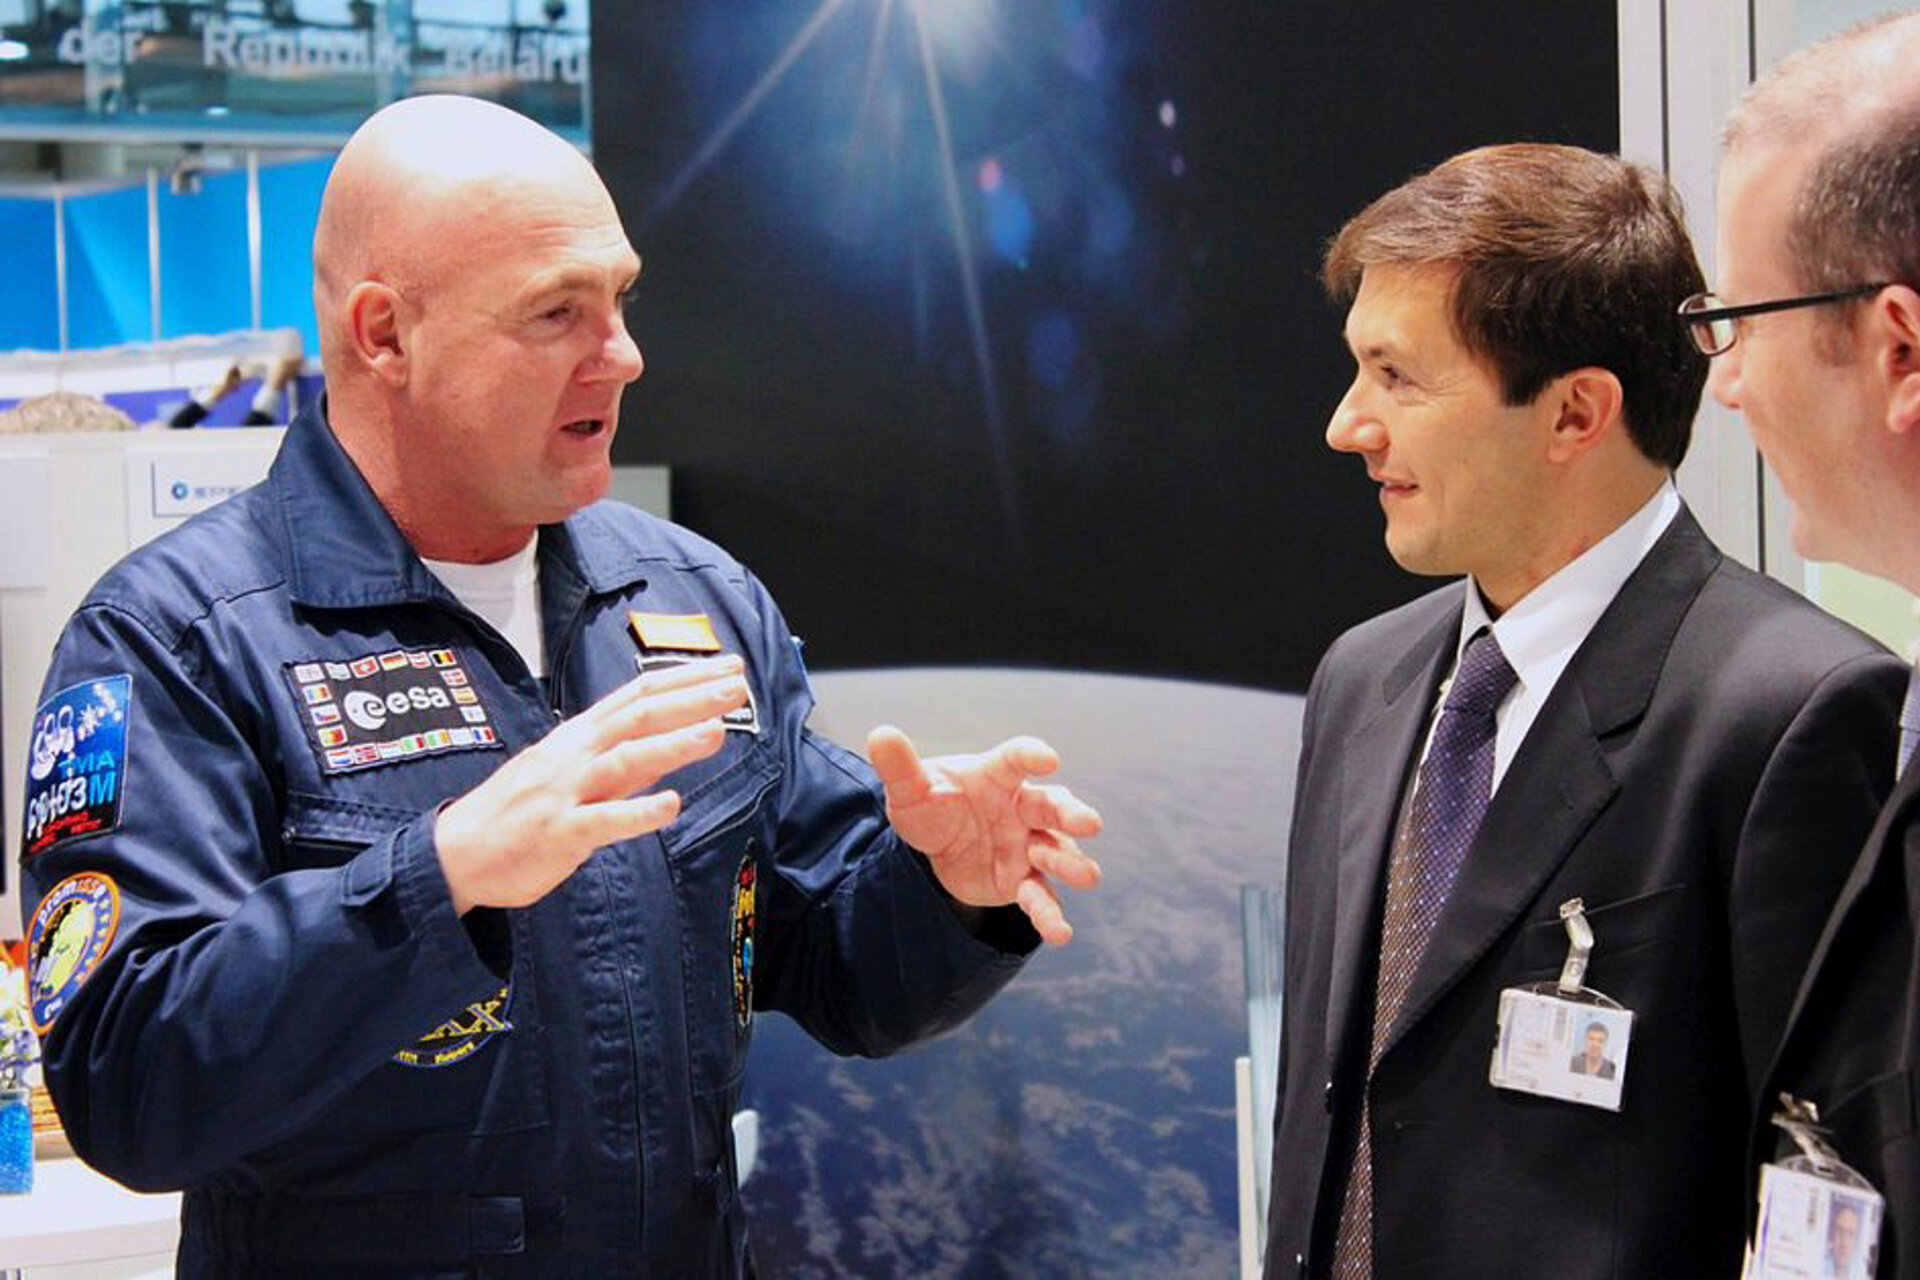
pixel 585 428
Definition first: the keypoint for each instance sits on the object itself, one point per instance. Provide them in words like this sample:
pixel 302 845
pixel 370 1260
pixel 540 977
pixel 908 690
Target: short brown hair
pixel 1856 219
pixel 1566 258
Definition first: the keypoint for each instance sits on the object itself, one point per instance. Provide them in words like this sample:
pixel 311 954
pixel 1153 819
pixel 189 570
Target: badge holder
pixel 1818 1217
pixel 1564 1039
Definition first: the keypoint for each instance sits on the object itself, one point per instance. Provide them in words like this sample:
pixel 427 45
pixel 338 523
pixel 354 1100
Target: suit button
pixel 1300 1261
pixel 1327 1097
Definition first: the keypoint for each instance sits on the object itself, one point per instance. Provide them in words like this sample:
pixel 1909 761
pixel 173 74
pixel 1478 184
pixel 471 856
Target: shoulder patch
pixel 76 764
pixel 71 930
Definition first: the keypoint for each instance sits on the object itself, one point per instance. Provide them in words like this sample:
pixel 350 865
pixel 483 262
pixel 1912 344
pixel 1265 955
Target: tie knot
pixel 1483 678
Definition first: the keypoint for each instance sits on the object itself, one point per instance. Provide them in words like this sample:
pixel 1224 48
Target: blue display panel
pixel 31 316
pixel 109 293
pixel 289 211
pixel 203 258
pixel 288 70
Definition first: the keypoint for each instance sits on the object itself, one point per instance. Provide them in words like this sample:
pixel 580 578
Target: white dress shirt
pixel 1541 633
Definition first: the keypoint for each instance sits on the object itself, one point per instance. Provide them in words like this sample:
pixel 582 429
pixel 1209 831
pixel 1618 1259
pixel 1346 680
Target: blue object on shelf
pixel 16 1142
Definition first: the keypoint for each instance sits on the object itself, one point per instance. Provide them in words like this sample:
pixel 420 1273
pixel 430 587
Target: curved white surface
pixel 77 1215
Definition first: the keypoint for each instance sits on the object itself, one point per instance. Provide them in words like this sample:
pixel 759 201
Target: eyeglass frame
pixel 1702 320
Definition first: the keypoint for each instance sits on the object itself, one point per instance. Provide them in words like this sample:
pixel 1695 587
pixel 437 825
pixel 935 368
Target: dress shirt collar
pixel 1541 632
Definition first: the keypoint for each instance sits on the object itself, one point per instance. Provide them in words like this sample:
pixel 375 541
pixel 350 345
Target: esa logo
pixel 370 710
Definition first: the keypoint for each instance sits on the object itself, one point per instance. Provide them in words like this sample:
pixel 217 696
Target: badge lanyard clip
pixel 1573 974
pixel 1800 1119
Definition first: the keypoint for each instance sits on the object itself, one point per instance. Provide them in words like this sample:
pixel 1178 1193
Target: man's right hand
pixel 511 839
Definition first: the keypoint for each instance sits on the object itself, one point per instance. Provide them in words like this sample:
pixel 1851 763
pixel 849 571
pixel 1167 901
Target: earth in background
pixel 1083 1123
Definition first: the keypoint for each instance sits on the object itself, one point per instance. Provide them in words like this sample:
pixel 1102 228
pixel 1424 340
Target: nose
pixel 619 357
pixel 1354 428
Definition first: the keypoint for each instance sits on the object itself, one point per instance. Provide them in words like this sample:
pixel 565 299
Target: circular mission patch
pixel 72 928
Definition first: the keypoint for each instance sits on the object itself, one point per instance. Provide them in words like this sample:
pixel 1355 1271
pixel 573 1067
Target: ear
pixel 1893 329
pixel 1588 406
pixel 374 324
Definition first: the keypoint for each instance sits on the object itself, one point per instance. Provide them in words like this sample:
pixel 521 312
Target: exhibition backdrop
pixel 987 333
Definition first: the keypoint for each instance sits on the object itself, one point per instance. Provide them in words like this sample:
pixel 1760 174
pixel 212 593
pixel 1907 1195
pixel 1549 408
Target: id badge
pixel 1563 1040
pixel 1819 1219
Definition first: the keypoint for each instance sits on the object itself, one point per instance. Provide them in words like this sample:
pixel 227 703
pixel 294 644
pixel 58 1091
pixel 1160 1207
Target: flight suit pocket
pixel 477 1071
pixel 714 855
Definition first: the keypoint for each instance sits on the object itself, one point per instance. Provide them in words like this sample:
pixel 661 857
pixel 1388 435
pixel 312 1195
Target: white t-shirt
pixel 506 593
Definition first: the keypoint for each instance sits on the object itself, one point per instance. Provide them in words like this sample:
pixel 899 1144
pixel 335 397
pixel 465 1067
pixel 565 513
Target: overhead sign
pixel 302 74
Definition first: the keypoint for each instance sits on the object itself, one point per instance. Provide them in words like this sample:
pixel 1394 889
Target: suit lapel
pixel 1560 780
pixel 1374 769
pixel 1886 840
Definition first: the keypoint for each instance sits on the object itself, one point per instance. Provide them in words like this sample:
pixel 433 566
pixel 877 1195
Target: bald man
pixel 441 827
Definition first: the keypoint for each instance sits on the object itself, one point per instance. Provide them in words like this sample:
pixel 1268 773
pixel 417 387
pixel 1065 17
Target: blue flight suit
pixel 243 954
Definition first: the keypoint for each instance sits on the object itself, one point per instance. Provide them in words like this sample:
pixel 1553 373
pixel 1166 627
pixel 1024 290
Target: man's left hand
pixel 992 835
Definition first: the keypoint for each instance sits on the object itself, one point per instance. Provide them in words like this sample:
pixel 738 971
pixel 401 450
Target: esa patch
pixel 388 707
pixel 675 639
pixel 71 930
pixel 743 913
pixel 76 764
pixel 461 1036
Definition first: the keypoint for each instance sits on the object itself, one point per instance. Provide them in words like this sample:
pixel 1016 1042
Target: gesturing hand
pixel 510 840
pixel 992 835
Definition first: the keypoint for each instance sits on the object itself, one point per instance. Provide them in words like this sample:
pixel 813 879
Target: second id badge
pixel 1563 1040
pixel 1818 1219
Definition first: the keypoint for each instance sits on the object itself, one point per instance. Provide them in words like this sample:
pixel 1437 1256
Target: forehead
pixel 531 235
pixel 1758 184
pixel 1401 305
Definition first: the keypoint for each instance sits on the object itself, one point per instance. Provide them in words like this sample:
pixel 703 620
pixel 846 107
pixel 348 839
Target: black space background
pixel 1196 525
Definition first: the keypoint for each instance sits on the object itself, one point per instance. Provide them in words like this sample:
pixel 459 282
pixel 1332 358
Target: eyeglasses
pixel 1710 322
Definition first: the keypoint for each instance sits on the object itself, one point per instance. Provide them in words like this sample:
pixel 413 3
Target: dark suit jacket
pixel 1853 1042
pixel 1710 747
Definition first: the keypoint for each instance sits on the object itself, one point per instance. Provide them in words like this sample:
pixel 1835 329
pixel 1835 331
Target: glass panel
pixel 31 317
pixel 1263 929
pixel 203 256
pixel 289 70
pixel 109 294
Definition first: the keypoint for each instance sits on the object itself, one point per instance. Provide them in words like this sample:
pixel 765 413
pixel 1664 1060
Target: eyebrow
pixel 574 280
pixel 1379 349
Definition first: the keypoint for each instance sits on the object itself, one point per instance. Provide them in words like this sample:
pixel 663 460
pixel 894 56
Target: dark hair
pixel 1565 258
pixel 1856 219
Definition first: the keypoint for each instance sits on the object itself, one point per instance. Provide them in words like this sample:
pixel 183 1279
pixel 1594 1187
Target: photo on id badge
pixel 1812 1228
pixel 1560 1048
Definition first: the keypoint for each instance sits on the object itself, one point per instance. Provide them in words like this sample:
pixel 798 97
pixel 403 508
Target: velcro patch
pixel 741 940
pixel 461 1036
pixel 389 707
pixel 76 764
pixel 69 935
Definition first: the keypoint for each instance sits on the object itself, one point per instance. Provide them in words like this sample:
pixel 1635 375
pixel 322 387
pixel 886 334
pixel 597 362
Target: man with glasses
pixel 1817 343
pixel 1606 725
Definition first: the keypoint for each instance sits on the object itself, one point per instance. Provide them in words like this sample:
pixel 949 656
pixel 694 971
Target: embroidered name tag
pixel 675 639
pixel 461 1036
pixel 387 707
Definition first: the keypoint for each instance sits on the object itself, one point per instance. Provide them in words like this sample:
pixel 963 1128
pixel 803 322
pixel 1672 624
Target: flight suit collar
pixel 343 550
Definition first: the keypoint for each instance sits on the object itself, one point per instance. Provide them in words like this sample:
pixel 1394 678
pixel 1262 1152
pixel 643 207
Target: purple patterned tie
pixel 1449 799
